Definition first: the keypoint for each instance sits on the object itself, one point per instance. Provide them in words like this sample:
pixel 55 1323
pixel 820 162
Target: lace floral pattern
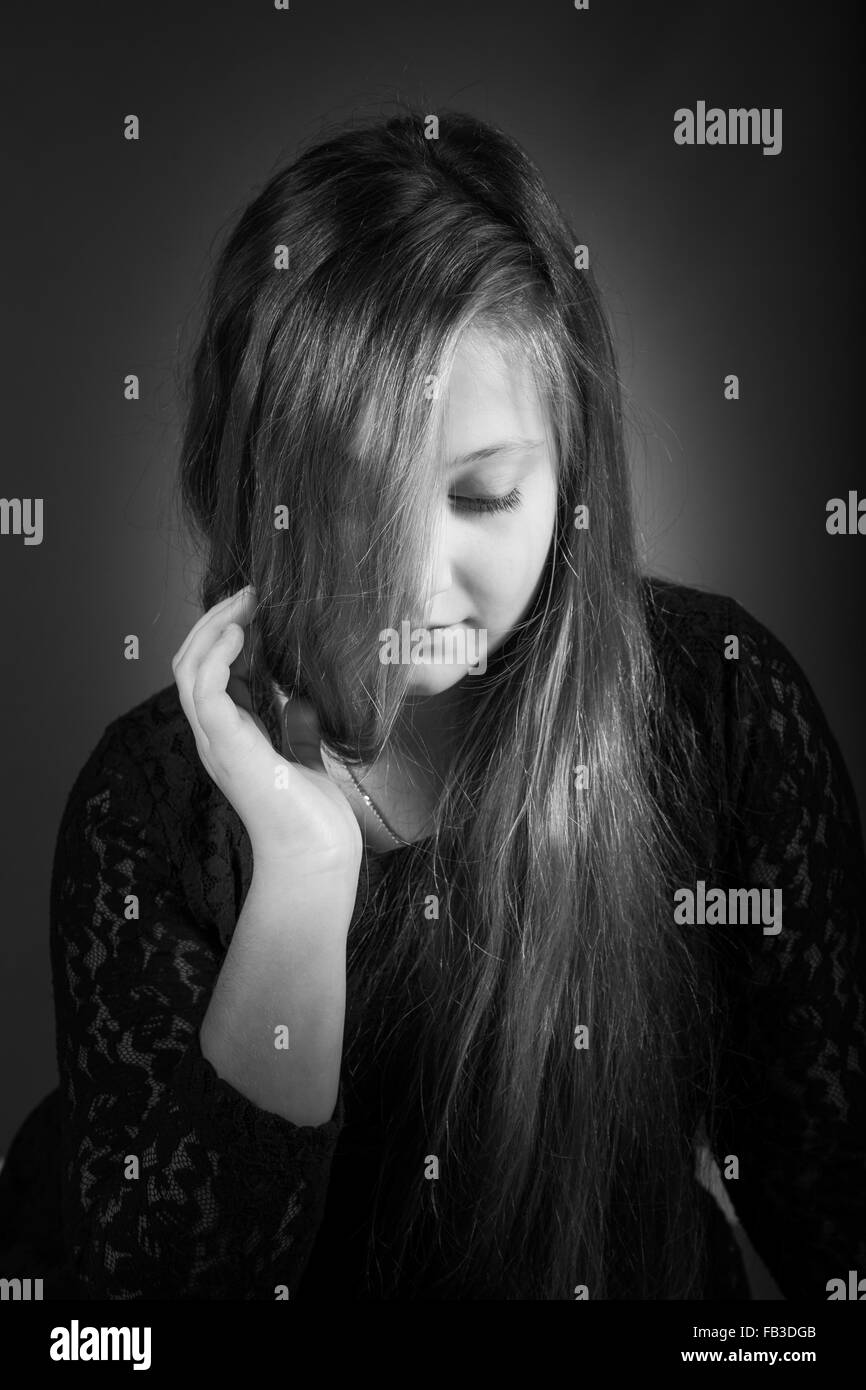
pixel 230 1198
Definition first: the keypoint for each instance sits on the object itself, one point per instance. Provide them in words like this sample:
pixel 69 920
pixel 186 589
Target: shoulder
pixel 143 793
pixel 775 761
pixel 145 771
pixel 761 724
pixel 731 665
pixel 156 735
pixel 147 746
pixel 714 659
pixel 693 627
pixel 158 720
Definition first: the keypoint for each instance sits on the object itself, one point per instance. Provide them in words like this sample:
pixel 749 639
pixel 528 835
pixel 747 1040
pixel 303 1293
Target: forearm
pixel 274 1025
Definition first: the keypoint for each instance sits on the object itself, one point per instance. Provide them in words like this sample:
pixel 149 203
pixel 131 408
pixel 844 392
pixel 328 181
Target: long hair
pixel 537 1034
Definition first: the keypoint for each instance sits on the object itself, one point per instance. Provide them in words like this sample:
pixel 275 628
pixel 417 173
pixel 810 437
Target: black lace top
pixel 234 1201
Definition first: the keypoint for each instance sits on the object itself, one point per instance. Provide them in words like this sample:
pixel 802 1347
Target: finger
pixel 217 608
pixel 215 710
pixel 183 681
pixel 238 608
pixel 185 676
pixel 222 612
pixel 216 612
pixel 239 680
pixel 243 661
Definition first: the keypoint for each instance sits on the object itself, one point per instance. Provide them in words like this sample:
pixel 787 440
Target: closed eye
pixel 506 503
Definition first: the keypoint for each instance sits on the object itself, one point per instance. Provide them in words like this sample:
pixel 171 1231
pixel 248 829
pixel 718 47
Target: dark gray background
pixel 713 260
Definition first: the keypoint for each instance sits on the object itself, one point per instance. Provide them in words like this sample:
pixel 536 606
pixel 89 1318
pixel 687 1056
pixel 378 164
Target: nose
pixel 442 550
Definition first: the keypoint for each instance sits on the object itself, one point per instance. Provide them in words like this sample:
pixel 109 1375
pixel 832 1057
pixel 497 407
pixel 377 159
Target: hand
pixel 292 810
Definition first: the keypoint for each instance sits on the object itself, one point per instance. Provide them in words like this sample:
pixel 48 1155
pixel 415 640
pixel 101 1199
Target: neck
pixel 406 780
pixel 428 729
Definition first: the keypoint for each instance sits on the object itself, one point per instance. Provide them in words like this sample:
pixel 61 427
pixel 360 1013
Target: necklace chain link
pixel 369 801
pixel 364 795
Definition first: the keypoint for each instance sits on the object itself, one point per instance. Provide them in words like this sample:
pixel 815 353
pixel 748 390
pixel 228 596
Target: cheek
pixel 526 547
pixel 507 564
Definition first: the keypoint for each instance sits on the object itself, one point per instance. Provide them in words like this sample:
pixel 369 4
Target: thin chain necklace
pixel 364 795
pixel 369 801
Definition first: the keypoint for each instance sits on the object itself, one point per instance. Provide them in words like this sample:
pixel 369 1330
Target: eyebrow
pixel 503 446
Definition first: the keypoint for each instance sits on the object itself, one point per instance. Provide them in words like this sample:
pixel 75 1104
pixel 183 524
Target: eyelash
pixel 506 503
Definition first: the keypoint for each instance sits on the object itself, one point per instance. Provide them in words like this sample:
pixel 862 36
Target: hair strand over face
pixel 558 1166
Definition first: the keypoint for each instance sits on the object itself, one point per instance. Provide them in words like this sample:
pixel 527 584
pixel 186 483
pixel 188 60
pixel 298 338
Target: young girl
pixel 373 974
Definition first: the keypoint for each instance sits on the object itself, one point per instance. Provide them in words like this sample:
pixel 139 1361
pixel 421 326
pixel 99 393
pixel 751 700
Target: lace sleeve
pixel 227 1197
pixel 797 1071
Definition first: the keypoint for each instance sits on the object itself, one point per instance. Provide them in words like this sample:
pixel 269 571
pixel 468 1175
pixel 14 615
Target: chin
pixel 429 679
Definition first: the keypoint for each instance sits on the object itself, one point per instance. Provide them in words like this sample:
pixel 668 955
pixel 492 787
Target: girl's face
pixel 489 555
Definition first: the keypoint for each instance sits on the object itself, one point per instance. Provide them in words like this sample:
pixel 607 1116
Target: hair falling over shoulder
pixel 559 1166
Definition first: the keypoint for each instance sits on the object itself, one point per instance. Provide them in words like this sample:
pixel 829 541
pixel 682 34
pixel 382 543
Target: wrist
pixel 332 865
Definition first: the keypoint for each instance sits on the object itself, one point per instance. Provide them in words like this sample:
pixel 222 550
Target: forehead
pixel 489 394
